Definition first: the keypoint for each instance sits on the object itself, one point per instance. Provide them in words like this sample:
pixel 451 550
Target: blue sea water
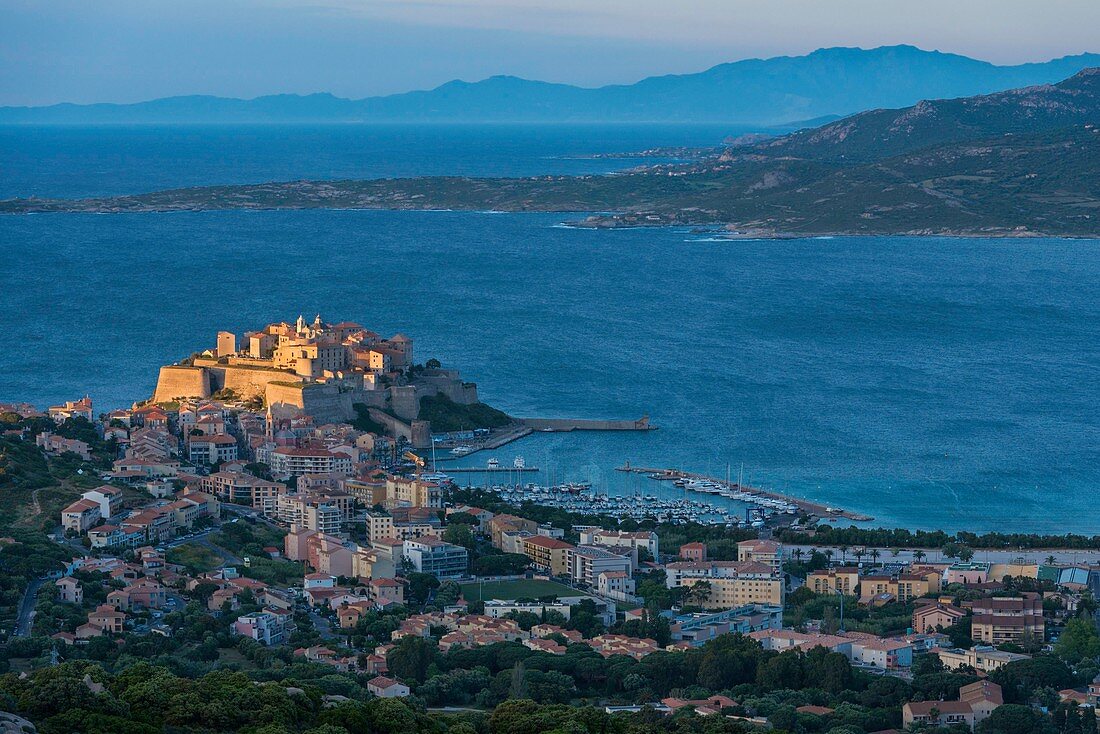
pixel 930 382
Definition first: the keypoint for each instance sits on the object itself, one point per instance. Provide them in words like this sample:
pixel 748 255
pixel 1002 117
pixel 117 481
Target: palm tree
pixel 859 555
pixel 829 554
pixel 843 553
pixel 1051 560
pixel 875 554
pixel 919 555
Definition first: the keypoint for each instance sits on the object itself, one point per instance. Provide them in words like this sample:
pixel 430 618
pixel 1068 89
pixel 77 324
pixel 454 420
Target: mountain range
pixel 1020 162
pixel 778 91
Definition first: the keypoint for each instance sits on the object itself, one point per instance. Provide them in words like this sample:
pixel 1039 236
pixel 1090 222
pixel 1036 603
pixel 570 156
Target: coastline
pixel 715 232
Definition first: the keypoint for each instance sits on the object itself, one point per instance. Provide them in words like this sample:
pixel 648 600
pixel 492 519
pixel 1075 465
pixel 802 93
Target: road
pixel 934 555
pixel 24 621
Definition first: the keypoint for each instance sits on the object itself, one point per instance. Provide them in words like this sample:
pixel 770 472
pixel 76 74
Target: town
pixel 238 524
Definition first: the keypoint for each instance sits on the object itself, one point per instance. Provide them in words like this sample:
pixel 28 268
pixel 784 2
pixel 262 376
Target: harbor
pixel 582 498
pixel 733 490
pixel 458 445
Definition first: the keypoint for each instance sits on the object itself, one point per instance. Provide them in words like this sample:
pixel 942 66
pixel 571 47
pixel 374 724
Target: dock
pixel 526 426
pixel 806 506
pixel 565 425
pixel 487 470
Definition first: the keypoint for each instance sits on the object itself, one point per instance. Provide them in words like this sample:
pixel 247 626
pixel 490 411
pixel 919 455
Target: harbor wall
pixel 581 424
pixel 417 433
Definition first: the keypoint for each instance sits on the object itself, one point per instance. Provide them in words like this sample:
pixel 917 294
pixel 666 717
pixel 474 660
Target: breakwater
pixel 581 424
pixel 807 506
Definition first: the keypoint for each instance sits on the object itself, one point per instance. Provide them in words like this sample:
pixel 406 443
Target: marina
pixel 734 490
pixel 490 469
pixel 581 498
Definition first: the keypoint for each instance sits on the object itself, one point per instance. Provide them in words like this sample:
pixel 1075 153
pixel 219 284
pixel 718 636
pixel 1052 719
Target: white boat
pixel 493 464
pixel 519 463
pixel 461 450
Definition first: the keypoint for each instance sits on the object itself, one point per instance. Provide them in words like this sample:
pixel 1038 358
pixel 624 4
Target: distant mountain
pixel 776 91
pixel 877 134
pixel 1024 162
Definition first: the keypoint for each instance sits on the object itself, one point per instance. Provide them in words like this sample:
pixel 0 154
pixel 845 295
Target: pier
pixel 526 426
pixel 565 425
pixel 806 506
pixel 489 470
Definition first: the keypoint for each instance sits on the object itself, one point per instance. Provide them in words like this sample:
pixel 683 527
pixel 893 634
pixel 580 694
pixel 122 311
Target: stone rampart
pixel 180 381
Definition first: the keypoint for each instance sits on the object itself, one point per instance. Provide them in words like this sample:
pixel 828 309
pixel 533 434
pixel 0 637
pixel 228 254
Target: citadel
pixel 320 370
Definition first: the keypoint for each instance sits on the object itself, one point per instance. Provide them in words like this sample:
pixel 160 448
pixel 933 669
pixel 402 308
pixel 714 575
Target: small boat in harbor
pixel 519 463
pixel 461 450
pixel 493 464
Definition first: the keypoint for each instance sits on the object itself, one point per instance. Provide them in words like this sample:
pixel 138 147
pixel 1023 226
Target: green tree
pixel 410 659
pixel 1079 641
pixel 421 586
pixel 460 534
pixel 1015 719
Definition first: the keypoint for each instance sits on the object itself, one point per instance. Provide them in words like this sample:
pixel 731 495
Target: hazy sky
pixel 129 50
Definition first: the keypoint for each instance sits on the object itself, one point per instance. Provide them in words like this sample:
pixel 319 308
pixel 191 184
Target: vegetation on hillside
pixel 447 415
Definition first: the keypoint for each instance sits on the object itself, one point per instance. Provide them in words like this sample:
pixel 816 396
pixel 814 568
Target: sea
pixel 927 382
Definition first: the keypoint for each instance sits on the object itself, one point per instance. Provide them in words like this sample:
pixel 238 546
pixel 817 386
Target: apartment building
pixel 844 579
pixel 211 449
pixel 243 489
pixel 108 498
pixel 902 587
pixel 587 562
pixel 641 540
pixel 81 516
pixel 981 657
pixel 766 552
pixel 732 583
pixel 403 492
pixel 436 557
pixel 976 703
pixel 549 555
pixel 998 620
pixel 267 627
pixel 290 461
pixel 932 617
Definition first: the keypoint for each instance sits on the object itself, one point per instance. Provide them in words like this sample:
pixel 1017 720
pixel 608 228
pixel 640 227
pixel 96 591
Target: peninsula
pixel 1017 163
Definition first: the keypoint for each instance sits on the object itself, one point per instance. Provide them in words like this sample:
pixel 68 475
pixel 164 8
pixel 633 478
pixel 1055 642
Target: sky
pixel 132 50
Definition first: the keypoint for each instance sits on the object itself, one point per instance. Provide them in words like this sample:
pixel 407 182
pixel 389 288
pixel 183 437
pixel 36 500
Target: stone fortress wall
pixel 289 395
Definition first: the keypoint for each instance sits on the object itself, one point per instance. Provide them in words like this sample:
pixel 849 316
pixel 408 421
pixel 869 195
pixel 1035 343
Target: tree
pixel 919 555
pixel 460 534
pixel 1018 680
pixel 1014 719
pixel 1079 641
pixel 421 586
pixel 698 593
pixel 411 658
